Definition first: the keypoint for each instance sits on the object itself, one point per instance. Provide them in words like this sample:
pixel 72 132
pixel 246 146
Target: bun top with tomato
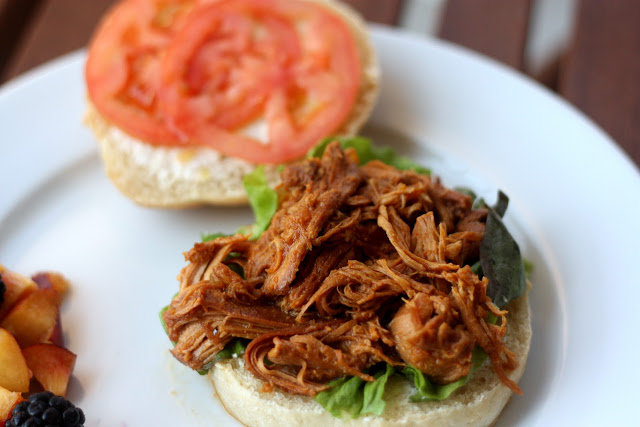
pixel 186 97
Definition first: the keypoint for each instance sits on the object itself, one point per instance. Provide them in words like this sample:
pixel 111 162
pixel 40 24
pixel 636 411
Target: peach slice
pixel 51 279
pixel 14 373
pixel 57 337
pixel 17 287
pixel 58 282
pixel 51 366
pixel 8 399
pixel 33 319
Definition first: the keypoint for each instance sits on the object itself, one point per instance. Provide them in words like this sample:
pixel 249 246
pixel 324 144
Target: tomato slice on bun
pixel 260 80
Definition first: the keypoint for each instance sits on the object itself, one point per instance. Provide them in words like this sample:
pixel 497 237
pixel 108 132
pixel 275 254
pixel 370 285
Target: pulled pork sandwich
pixel 375 292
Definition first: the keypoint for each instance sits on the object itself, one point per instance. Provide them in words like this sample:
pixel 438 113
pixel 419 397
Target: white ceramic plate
pixel 575 200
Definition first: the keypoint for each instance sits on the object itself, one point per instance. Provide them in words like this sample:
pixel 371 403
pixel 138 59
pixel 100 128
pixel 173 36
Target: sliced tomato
pixel 123 65
pixel 289 65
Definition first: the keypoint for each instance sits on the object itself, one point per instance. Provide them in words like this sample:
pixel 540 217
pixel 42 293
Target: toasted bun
pixel 183 177
pixel 478 403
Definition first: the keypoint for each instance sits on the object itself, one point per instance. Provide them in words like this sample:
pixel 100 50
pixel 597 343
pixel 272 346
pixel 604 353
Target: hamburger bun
pixel 478 403
pixel 176 177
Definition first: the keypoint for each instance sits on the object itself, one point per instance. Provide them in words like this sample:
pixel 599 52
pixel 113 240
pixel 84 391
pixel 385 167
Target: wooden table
pixel 599 72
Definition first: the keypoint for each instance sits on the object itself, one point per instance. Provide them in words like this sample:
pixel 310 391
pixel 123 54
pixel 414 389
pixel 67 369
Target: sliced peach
pixel 17 287
pixel 51 366
pixel 8 400
pixel 58 282
pixel 14 373
pixel 51 279
pixel 56 336
pixel 33 319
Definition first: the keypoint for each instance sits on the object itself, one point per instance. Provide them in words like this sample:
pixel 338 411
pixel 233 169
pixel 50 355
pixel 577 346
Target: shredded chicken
pixel 359 266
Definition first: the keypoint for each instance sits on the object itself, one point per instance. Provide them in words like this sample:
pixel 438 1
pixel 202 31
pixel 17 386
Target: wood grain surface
pixel 496 28
pixel 56 27
pixel 601 72
pixel 15 18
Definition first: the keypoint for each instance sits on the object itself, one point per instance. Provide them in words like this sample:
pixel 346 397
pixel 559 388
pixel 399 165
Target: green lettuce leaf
pixel 373 391
pixel 164 325
pixel 367 152
pixel 355 397
pixel 262 199
pixel 426 390
pixel 344 397
pixel 234 348
pixel 528 267
pixel 211 236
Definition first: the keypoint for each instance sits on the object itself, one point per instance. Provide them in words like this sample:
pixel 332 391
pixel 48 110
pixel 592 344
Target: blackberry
pixel 46 409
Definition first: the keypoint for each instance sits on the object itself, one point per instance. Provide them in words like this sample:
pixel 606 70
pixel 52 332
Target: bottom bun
pixel 478 403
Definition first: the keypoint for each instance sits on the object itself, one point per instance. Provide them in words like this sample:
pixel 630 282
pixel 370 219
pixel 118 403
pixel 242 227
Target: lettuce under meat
pixel 262 199
pixel 426 390
pixel 355 397
pixel 367 152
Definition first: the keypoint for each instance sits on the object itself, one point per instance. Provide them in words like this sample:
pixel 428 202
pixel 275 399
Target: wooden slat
pixel 497 28
pixel 15 19
pixel 601 71
pixel 380 11
pixel 60 26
